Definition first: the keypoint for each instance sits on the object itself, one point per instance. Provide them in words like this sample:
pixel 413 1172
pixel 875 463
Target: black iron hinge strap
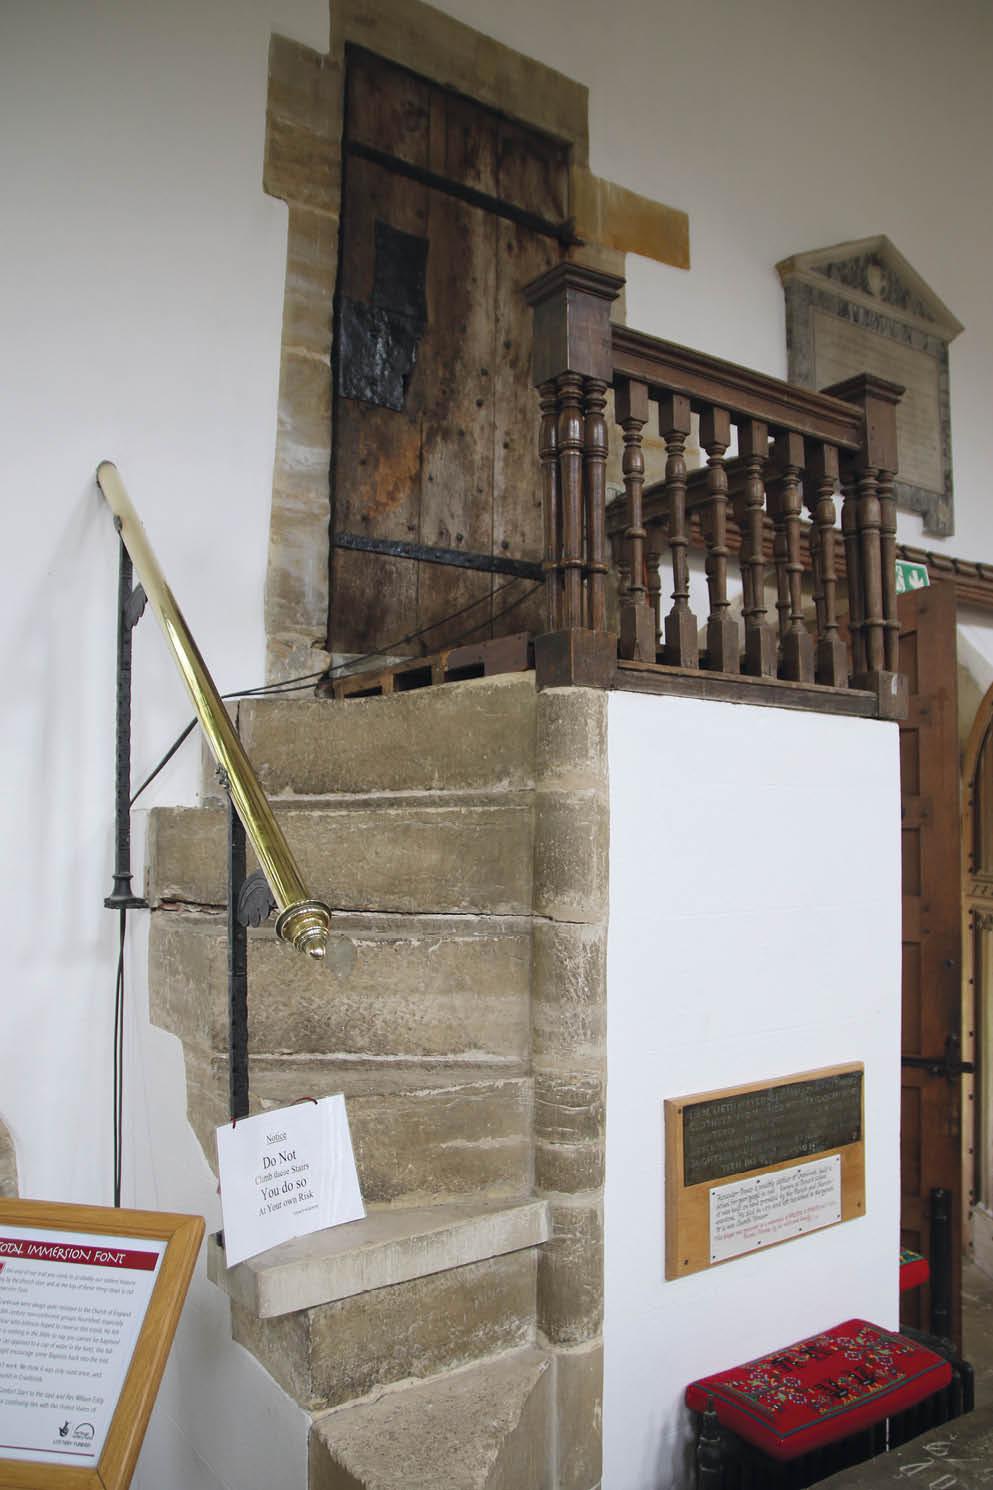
pixel 563 232
pixel 396 548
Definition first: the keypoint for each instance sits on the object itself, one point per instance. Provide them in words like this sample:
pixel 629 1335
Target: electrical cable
pixel 300 683
pixel 288 685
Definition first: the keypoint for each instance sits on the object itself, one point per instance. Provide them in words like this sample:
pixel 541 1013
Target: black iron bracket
pixel 397 548
pixel 563 232
pixel 950 1065
pixel 130 608
pixel 250 902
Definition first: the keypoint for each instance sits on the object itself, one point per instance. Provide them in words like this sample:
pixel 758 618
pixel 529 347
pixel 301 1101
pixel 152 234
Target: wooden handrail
pixel 799 450
pixel 708 381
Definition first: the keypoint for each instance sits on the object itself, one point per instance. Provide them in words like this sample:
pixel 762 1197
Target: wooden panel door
pixel 435 419
pixel 931 1136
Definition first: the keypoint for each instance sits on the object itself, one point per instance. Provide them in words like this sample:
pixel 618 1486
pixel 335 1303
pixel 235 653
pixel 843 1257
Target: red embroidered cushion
pixel 822 1389
pixel 914 1269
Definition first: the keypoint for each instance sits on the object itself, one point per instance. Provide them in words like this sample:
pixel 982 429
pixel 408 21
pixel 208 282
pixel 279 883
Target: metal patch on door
pixel 377 343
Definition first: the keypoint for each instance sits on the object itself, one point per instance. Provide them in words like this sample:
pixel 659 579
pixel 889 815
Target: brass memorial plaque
pixel 756 1166
pixel 751 1130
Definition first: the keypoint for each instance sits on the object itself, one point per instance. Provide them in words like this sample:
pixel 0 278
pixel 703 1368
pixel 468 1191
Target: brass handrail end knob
pixel 306 926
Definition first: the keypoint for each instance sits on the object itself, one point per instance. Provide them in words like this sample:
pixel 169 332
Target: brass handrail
pixel 303 922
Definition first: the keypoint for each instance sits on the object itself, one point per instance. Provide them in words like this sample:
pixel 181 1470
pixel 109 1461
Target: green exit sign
pixel 910 577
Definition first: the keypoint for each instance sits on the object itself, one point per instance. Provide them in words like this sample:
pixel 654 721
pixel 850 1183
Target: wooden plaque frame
pixel 687 1207
pixel 183 1235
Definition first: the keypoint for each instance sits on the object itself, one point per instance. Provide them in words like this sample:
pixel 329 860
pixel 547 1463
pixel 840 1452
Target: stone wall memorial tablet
pixel 860 307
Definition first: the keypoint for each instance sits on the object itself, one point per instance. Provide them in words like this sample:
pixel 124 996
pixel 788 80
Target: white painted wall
pixel 754 933
pixel 141 295
pixel 141 281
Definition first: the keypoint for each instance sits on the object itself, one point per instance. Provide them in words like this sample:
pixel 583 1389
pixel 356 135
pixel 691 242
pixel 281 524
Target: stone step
pixel 337 1352
pixel 473 736
pixel 485 1428
pixel 408 855
pixel 388 1247
pixel 421 990
pixel 419 1138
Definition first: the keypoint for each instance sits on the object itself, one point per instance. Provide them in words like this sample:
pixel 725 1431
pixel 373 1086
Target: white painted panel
pixel 754 933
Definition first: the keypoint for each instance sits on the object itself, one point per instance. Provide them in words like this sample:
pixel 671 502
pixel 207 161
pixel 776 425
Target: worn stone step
pixel 421 990
pixel 392 854
pixel 485 1428
pixel 337 1352
pixel 389 1246
pixel 473 736
pixel 419 1137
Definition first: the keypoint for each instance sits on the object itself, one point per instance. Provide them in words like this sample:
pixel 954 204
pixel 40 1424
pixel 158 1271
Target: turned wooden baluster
pixel 595 474
pixel 655 542
pixel 639 630
pixel 868 477
pixel 680 624
pixel 780 555
pixel 548 452
pixel 853 567
pixel 797 643
pixel 570 443
pixel 887 552
pixel 760 638
pixel 622 568
pixel 870 518
pixel 831 661
pixel 723 649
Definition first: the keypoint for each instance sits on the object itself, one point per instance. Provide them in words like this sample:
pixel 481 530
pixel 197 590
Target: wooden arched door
pixel 977 904
pixel 931 1087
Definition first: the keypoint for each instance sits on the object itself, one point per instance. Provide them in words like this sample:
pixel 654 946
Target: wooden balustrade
pixel 776 458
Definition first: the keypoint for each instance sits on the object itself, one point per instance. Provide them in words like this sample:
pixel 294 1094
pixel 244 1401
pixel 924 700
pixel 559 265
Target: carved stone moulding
pixel 860 307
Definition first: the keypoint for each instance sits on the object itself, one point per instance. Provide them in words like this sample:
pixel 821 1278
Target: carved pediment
pixel 874 273
pixel 859 307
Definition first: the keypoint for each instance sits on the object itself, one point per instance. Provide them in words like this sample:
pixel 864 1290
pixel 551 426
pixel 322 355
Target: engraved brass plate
pixel 752 1130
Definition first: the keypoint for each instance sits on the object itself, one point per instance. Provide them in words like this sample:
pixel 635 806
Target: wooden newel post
pixel 870 524
pixel 573 368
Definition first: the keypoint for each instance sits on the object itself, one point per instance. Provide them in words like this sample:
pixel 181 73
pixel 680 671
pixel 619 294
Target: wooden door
pixel 977 983
pixel 435 419
pixel 931 1137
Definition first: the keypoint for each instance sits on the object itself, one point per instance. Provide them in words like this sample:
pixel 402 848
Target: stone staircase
pixel 452 1339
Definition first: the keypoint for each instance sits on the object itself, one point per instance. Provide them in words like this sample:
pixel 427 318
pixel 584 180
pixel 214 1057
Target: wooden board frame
pixel 183 1235
pixel 687 1207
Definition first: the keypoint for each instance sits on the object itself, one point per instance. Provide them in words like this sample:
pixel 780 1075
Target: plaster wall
pixel 141 297
pixel 754 933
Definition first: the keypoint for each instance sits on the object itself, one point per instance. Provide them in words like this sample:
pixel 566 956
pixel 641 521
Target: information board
pixel 89 1302
pixel 753 1166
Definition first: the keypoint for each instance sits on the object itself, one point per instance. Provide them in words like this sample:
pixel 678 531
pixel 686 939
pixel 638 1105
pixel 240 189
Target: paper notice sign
pixel 768 1208
pixel 285 1174
pixel 71 1308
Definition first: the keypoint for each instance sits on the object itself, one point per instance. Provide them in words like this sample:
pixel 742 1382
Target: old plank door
pixel 929 782
pixel 435 417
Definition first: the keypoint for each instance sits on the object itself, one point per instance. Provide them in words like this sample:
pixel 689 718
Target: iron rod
pixel 122 896
pixel 237 971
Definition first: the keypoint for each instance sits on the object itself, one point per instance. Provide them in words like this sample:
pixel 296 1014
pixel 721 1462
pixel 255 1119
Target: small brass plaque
pixel 771 1125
